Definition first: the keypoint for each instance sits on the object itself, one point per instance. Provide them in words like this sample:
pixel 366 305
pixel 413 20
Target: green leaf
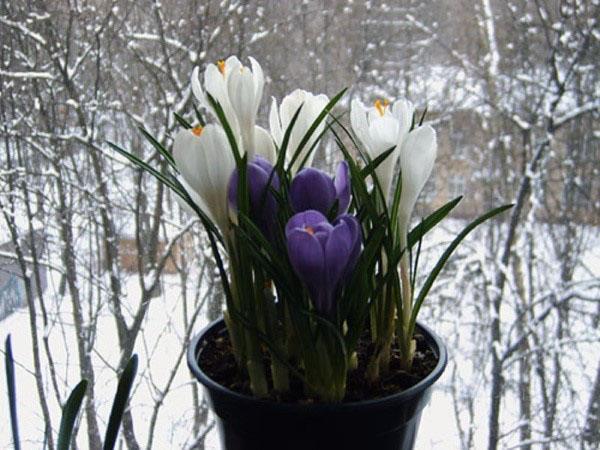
pixel 159 147
pixel 374 163
pixel 312 147
pixel 273 348
pixel 423 116
pixel 431 221
pixel 184 123
pixel 225 124
pixel 201 120
pixel 69 415
pixel 12 391
pixel 444 259
pixel 120 403
pixel 173 184
pixel 145 166
pixel 286 139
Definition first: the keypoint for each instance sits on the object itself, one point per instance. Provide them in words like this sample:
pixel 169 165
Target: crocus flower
pixel 238 89
pixel 380 128
pixel 280 118
pixel 323 255
pixel 205 166
pixel 263 205
pixel 314 189
pixel 416 163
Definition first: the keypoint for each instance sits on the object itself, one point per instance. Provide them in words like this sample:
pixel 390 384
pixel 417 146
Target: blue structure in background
pixel 12 286
pixel 12 295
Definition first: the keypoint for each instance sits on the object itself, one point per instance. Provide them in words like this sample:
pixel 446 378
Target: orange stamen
pixel 310 230
pixel 380 106
pixel 197 130
pixel 221 66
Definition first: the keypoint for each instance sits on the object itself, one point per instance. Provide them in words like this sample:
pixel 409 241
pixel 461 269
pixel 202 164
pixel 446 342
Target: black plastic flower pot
pixel 247 423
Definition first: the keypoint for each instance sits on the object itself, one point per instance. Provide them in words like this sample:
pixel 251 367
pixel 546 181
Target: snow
pixel 26 75
pixel 159 343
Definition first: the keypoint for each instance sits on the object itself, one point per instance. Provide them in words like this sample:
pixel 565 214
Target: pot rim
pixel 399 397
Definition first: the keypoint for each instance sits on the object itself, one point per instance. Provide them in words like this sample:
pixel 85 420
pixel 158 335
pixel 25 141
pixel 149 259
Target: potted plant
pixel 319 346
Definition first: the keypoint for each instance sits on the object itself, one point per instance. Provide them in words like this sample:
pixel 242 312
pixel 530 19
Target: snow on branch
pixel 26 31
pixel 576 112
pixel 26 75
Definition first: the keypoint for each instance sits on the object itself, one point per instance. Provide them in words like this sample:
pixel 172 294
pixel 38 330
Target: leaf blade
pixel 69 415
pixel 120 403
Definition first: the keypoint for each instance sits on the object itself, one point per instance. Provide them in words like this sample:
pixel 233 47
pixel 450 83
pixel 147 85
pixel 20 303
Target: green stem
pixel 236 340
pixel 373 368
pixel 281 376
pixel 407 342
pixel 256 367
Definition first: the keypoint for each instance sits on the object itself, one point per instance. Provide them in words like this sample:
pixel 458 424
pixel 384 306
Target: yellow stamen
pixel 380 106
pixel 310 230
pixel 197 130
pixel 221 66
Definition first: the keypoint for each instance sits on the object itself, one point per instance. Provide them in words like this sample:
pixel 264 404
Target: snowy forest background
pixel 99 261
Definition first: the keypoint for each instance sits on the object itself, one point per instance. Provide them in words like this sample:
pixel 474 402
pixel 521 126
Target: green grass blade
pixel 184 123
pixel 373 164
pixel 444 259
pixel 225 124
pixel 120 403
pixel 12 391
pixel 431 221
pixel 69 415
pixel 312 148
pixel 145 166
pixel 159 147
pixel 173 184
pixel 286 139
pixel 199 116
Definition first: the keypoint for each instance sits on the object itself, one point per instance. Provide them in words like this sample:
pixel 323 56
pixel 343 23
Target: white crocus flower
pixel 379 128
pixel 238 89
pixel 417 157
pixel 205 164
pixel 280 118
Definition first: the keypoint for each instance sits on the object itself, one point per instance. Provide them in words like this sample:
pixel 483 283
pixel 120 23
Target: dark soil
pixel 217 361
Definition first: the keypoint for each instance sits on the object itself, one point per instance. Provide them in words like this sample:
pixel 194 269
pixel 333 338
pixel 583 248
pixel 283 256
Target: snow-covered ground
pixel 160 347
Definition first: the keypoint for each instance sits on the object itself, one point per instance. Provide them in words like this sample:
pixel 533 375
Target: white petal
pixel 313 106
pixel 196 87
pixel 264 144
pixel 358 120
pixel 417 157
pixel 259 82
pixel 275 122
pixel 232 64
pixel 214 83
pixel 384 131
pixel 241 95
pixel 206 163
pixel 196 198
pixel 403 110
pixel 186 152
pixel 289 106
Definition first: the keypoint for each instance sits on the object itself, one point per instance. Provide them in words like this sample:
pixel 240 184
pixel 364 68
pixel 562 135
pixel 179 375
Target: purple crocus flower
pixel 263 205
pixel 314 189
pixel 323 254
